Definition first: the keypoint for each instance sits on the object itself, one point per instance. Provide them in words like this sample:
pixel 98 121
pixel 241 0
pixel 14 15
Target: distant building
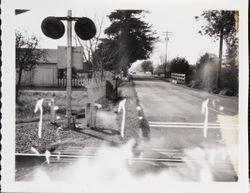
pixel 46 73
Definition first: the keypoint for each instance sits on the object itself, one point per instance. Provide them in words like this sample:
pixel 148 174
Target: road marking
pixel 188 123
pixel 192 126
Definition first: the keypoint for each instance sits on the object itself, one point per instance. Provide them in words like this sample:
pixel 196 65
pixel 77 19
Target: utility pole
pixel 218 79
pixel 166 34
pixel 69 65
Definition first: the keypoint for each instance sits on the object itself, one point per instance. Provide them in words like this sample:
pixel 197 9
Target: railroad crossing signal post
pixel 54 28
pixel 69 69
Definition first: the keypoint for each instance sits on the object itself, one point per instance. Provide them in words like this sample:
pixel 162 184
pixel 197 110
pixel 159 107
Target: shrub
pixel 179 65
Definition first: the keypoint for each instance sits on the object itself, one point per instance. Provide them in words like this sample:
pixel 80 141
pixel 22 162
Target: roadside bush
pixel 179 65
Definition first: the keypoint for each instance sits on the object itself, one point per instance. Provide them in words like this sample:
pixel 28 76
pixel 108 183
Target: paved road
pixel 164 101
pixel 174 113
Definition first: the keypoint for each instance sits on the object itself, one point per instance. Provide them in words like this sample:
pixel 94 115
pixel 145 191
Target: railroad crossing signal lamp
pixel 85 28
pixel 53 27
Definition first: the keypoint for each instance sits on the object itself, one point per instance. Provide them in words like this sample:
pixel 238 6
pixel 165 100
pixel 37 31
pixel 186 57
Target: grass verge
pixel 56 137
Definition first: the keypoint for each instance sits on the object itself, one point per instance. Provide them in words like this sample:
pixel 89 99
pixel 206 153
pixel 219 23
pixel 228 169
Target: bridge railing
pixel 178 78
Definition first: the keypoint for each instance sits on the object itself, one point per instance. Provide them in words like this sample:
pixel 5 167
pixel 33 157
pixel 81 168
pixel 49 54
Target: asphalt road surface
pixel 176 121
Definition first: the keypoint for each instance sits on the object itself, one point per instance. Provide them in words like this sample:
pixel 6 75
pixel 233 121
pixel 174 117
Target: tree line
pixel 212 72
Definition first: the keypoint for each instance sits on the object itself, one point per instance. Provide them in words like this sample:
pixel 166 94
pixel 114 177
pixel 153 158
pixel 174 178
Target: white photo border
pixel 8 97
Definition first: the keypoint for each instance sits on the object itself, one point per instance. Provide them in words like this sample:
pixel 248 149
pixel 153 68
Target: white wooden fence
pixel 178 78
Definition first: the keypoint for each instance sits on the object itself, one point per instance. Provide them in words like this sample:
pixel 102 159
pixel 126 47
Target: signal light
pixel 53 27
pixel 85 28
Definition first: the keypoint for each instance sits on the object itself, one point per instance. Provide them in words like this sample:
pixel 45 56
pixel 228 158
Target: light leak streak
pixel 204 110
pixel 58 133
pixel 39 106
pixel 34 150
pixel 47 156
pixel 58 156
pixel 122 107
pixel 205 174
pixel 138 108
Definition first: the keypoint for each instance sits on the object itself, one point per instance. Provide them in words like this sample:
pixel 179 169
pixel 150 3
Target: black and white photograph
pixel 126 98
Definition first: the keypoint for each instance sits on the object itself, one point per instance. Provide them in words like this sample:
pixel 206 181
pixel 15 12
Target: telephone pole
pixel 166 34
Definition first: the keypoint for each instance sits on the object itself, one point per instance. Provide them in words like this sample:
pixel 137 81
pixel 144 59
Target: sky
pixel 184 41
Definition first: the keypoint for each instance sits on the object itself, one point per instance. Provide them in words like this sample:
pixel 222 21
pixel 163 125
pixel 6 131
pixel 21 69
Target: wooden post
pixel 90 113
pixel 220 59
pixel 52 111
pixel 69 73
pixel 218 79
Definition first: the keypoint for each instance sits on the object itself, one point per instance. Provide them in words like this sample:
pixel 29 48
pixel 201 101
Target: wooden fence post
pixel 52 111
pixel 91 115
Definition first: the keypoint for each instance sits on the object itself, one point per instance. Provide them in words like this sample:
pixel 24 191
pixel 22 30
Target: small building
pixel 46 72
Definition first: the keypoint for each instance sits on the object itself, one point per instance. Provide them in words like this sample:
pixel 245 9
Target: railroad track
pixel 139 155
pixel 142 161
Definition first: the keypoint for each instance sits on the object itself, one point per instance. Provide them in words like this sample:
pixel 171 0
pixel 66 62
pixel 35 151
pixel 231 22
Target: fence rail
pixel 81 80
pixel 178 78
pixel 76 82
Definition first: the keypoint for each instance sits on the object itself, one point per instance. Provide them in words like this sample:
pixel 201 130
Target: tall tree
pixel 132 36
pixel 221 25
pixel 27 55
pixel 107 54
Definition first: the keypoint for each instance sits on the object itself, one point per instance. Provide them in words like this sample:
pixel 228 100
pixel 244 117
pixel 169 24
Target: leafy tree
pixel 205 59
pixel 107 55
pixel 27 55
pixel 132 37
pixel 179 65
pixel 218 22
pixel 222 25
pixel 147 65
pixel 232 53
pixel 230 79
